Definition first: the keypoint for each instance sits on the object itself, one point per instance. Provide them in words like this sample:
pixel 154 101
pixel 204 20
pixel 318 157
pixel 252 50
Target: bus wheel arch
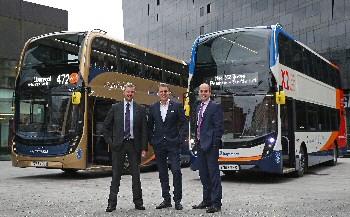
pixel 303 161
pixel 334 161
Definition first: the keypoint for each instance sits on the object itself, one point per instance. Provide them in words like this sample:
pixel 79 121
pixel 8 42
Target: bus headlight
pixel 269 145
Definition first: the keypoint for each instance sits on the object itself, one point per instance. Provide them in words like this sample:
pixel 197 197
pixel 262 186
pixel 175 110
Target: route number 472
pixel 63 78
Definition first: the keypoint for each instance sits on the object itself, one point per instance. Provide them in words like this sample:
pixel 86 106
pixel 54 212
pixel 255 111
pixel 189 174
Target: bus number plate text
pixel 39 164
pixel 229 167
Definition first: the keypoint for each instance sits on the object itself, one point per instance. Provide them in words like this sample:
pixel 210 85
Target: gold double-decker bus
pixel 65 85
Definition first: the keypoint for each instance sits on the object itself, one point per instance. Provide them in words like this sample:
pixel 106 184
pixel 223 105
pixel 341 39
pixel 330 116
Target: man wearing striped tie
pixel 125 130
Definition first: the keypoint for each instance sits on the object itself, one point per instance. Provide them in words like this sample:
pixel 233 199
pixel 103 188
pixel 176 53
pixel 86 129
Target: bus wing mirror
pixel 281 97
pixel 187 110
pixel 76 96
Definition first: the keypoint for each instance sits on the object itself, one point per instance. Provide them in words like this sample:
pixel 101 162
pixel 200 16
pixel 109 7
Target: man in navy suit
pixel 210 125
pixel 164 119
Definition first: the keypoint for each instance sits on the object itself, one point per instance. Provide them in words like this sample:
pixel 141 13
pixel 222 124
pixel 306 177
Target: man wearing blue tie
pixel 165 119
pixel 210 127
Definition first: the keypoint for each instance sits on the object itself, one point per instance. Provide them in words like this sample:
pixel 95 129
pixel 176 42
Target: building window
pixel 201 30
pixel 158 2
pixel 148 9
pixel 192 1
pixel 157 17
pixel 201 11
pixel 208 8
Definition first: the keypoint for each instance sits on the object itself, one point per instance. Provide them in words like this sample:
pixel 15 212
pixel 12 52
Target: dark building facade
pixel 171 26
pixel 19 21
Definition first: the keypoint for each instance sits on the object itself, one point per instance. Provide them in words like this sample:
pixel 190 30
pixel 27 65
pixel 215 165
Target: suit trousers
pixel 163 152
pixel 210 175
pixel 118 159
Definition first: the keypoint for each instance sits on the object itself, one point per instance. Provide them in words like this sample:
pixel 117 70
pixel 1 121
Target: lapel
pixel 206 109
pixel 134 113
pixel 159 114
pixel 169 109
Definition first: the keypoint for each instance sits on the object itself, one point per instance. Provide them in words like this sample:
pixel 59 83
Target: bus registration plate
pixel 229 167
pixel 39 164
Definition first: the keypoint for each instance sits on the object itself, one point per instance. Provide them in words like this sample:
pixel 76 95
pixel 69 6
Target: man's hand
pixel 143 154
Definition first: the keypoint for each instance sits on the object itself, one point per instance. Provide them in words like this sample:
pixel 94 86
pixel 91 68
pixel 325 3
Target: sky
pixel 86 15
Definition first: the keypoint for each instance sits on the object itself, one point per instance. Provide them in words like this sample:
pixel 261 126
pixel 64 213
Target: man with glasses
pixel 164 120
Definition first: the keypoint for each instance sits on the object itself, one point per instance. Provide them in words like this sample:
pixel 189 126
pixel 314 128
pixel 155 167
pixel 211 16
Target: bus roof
pixel 101 33
pixel 276 28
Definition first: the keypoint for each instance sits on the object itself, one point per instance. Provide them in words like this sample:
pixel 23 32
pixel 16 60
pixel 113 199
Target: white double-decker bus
pixel 283 103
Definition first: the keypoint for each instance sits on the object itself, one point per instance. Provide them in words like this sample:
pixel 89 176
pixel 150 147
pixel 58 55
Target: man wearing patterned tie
pixel 125 130
pixel 209 132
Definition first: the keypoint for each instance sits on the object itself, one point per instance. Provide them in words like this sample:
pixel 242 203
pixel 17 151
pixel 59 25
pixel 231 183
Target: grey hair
pixel 129 84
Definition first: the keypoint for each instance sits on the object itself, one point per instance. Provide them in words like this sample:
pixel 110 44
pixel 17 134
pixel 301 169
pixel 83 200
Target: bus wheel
pixel 70 171
pixel 334 161
pixel 302 163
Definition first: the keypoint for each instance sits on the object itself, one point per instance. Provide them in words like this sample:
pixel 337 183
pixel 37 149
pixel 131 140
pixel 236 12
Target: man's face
pixel 129 93
pixel 163 93
pixel 204 92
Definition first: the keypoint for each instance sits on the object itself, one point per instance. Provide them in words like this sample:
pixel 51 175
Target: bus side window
pixel 284 50
pixel 301 116
pixel 296 57
pixel 312 117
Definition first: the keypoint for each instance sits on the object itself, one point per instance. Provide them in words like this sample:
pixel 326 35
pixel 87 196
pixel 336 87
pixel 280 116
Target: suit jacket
pixel 212 126
pixel 170 128
pixel 113 130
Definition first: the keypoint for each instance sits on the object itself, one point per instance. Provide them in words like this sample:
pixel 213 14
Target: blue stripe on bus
pixel 194 54
pixel 42 151
pixel 94 72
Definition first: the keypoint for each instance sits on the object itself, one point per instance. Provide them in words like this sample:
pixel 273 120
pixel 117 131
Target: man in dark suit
pixel 209 132
pixel 164 119
pixel 125 130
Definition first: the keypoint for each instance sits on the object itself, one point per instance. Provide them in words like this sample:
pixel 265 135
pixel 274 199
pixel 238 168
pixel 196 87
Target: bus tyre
pixel 334 161
pixel 70 171
pixel 302 163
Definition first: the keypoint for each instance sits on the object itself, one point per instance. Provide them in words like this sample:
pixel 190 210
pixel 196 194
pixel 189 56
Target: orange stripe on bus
pixel 149 160
pixel 337 102
pixel 240 159
pixel 330 141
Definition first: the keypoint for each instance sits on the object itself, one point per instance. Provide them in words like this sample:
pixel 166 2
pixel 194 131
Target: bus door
pixel 287 130
pixel 101 152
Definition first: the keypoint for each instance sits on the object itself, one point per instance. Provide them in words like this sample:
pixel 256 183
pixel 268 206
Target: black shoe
pixel 140 207
pixel 213 209
pixel 110 208
pixel 202 205
pixel 178 206
pixel 164 204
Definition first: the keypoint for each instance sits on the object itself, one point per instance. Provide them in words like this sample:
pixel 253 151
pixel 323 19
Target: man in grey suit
pixel 125 130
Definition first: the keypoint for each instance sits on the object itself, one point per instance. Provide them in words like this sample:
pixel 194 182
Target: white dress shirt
pixel 164 109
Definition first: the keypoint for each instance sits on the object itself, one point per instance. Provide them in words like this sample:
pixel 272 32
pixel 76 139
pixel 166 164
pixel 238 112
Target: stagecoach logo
pixel 227 154
pixel 288 80
pixel 114 86
pixel 40 81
